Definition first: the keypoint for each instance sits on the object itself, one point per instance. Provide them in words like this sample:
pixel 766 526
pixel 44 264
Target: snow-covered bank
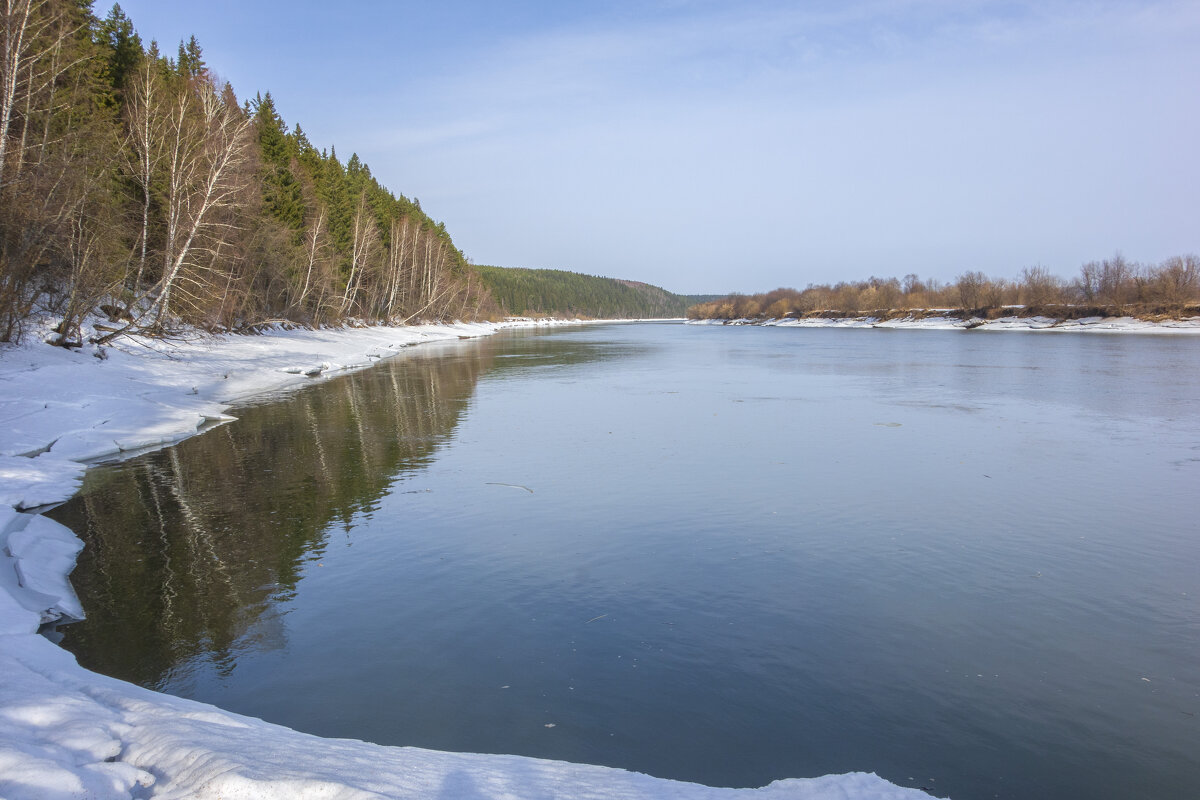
pixel 69 733
pixel 949 323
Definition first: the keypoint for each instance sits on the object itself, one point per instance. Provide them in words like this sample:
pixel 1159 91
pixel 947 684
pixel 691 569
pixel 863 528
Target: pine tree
pixel 124 46
pixel 306 154
pixel 272 133
pixel 333 191
pixel 283 197
pixel 190 61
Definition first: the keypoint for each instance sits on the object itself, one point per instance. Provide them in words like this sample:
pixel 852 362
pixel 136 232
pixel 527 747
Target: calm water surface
pixel 964 561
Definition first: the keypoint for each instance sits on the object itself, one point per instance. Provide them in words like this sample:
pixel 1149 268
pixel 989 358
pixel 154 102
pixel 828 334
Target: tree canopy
pixel 560 293
pixel 1112 287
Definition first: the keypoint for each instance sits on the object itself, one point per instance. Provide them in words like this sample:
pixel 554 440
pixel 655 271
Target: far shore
pixel 1001 319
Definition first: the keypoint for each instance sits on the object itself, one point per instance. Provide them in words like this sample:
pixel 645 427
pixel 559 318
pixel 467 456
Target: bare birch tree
pixel 22 25
pixel 314 243
pixel 397 253
pixel 206 144
pixel 363 246
pixel 146 126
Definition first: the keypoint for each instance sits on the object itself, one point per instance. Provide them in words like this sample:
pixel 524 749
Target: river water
pixel 964 561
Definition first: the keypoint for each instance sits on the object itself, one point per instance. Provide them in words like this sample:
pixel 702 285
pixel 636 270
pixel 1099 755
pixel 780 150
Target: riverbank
pixel 1095 324
pixel 68 733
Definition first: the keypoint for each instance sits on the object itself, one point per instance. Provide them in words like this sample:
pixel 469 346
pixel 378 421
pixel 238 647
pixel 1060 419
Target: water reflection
pixel 189 549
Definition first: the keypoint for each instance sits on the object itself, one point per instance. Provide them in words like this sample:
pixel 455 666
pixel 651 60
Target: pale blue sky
pixel 712 146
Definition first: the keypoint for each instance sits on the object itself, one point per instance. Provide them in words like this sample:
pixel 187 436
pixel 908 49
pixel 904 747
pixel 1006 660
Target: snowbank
pixel 948 323
pixel 69 733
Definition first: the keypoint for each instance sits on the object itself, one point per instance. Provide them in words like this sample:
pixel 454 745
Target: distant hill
pixel 559 293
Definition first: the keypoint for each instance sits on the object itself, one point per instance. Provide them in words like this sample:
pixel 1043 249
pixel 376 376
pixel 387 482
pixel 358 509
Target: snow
pixel 66 732
pixel 1190 325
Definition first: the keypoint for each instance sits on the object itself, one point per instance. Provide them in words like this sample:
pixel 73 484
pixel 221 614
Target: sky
pixel 710 146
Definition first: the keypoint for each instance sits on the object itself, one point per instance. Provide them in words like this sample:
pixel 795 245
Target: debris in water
pixel 510 485
pixel 593 619
pixel 551 725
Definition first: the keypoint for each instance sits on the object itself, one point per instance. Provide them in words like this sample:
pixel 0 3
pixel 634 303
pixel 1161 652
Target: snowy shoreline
pixel 66 732
pixel 1190 325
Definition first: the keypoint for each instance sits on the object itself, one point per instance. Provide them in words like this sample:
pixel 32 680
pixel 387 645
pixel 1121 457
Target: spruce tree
pixel 124 46
pixel 190 61
pixel 283 198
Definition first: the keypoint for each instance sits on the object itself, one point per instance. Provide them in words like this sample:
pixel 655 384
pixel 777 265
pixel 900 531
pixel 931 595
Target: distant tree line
pixel 1111 286
pixel 553 292
pixel 137 183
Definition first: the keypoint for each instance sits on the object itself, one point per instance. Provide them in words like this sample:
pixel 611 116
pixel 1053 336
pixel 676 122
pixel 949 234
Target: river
pixel 964 561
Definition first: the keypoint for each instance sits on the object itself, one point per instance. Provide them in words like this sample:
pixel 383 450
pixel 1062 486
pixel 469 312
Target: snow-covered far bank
pixel 950 323
pixel 66 732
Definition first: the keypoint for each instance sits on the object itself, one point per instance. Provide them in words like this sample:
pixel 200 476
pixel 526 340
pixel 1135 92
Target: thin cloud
pixel 837 136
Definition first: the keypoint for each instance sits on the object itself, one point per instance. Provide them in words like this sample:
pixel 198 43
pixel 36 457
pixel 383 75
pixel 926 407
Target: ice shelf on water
pixel 66 732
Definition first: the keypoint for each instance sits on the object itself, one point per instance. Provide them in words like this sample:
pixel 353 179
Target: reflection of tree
pixel 187 548
pixel 539 350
